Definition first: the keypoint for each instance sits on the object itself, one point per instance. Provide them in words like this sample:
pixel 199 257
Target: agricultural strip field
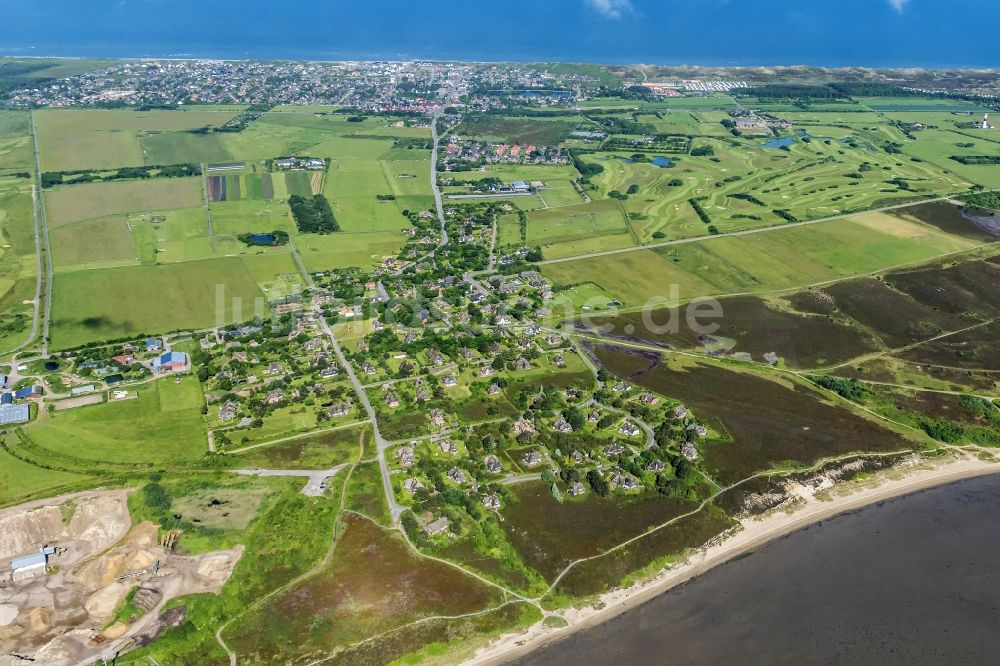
pixel 768 261
pixel 161 425
pixel 15 142
pixel 72 203
pixel 17 260
pixel 96 139
pixel 101 304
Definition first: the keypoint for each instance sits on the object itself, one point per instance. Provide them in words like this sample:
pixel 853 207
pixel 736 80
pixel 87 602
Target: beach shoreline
pixel 754 532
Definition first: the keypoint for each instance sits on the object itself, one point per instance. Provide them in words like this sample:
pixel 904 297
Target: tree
pixel 597 483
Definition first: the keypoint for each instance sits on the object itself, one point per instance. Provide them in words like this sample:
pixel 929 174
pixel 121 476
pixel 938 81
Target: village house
pixel 228 411
pixel 559 361
pixel 688 451
pixel 680 412
pixel 649 399
pixel 562 425
pixel 629 428
pixel 328 372
pixel 493 389
pixel 412 485
pixel 448 447
pixel 435 357
pixel 623 481
pixel 614 450
pixel 437 417
pixel 368 369
pixel 273 368
pixel 522 363
pixel 491 502
pixel 486 371
pixel 439 526
pixel 576 489
pixel 655 466
pixel 698 429
pixel 340 409
pixel 422 395
pixel 456 475
pixel 405 456
pixel 274 397
pixel 576 457
pixel 391 400
pixel 493 465
pixel 522 426
pixel 532 458
pixel 450 380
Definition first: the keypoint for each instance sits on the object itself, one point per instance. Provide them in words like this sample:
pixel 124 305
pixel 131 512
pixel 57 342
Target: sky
pixel 715 32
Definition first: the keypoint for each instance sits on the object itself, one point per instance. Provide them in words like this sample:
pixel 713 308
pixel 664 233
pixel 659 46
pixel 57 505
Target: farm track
pixel 42 306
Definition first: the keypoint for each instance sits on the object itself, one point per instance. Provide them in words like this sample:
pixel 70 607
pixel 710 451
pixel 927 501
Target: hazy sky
pixel 836 32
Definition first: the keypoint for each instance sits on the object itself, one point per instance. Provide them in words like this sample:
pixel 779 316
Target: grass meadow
pixel 161 425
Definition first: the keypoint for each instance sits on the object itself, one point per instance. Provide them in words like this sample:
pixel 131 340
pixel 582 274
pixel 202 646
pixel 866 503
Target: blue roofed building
pixel 6 398
pixel 171 361
pixel 33 391
pixel 154 344
pixel 11 413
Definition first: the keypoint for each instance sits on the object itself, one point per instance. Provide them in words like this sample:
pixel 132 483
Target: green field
pixel 161 425
pixel 15 141
pixel 95 139
pixel 17 260
pixel 72 203
pixel 811 180
pixel 19 479
pixel 771 260
pixel 108 303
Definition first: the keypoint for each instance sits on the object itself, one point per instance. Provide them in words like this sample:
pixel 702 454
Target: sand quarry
pixel 65 616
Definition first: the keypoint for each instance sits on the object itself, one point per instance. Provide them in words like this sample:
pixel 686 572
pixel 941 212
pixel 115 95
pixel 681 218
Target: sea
pixel 876 33
pixel 913 580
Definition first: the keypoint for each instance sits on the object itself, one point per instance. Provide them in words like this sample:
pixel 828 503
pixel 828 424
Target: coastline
pixel 755 532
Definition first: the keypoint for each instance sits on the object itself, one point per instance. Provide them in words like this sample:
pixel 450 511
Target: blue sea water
pixel 710 32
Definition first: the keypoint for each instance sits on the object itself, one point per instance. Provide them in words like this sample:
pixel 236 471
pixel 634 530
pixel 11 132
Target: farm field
pixel 94 139
pixel 17 260
pixel 72 203
pixel 109 303
pixel 768 261
pixel 15 142
pixel 161 425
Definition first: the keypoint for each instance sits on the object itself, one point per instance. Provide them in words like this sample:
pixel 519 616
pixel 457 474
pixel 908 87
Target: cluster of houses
pixel 483 153
pixel 300 163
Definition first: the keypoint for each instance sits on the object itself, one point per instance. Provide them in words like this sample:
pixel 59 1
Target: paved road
pixel 434 181
pixel 745 232
pixel 381 443
pixel 316 485
pixel 46 305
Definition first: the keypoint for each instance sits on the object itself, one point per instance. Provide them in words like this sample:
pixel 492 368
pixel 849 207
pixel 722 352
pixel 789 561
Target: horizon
pixel 884 34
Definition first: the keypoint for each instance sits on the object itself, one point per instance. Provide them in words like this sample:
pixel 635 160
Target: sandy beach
pixel 809 509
